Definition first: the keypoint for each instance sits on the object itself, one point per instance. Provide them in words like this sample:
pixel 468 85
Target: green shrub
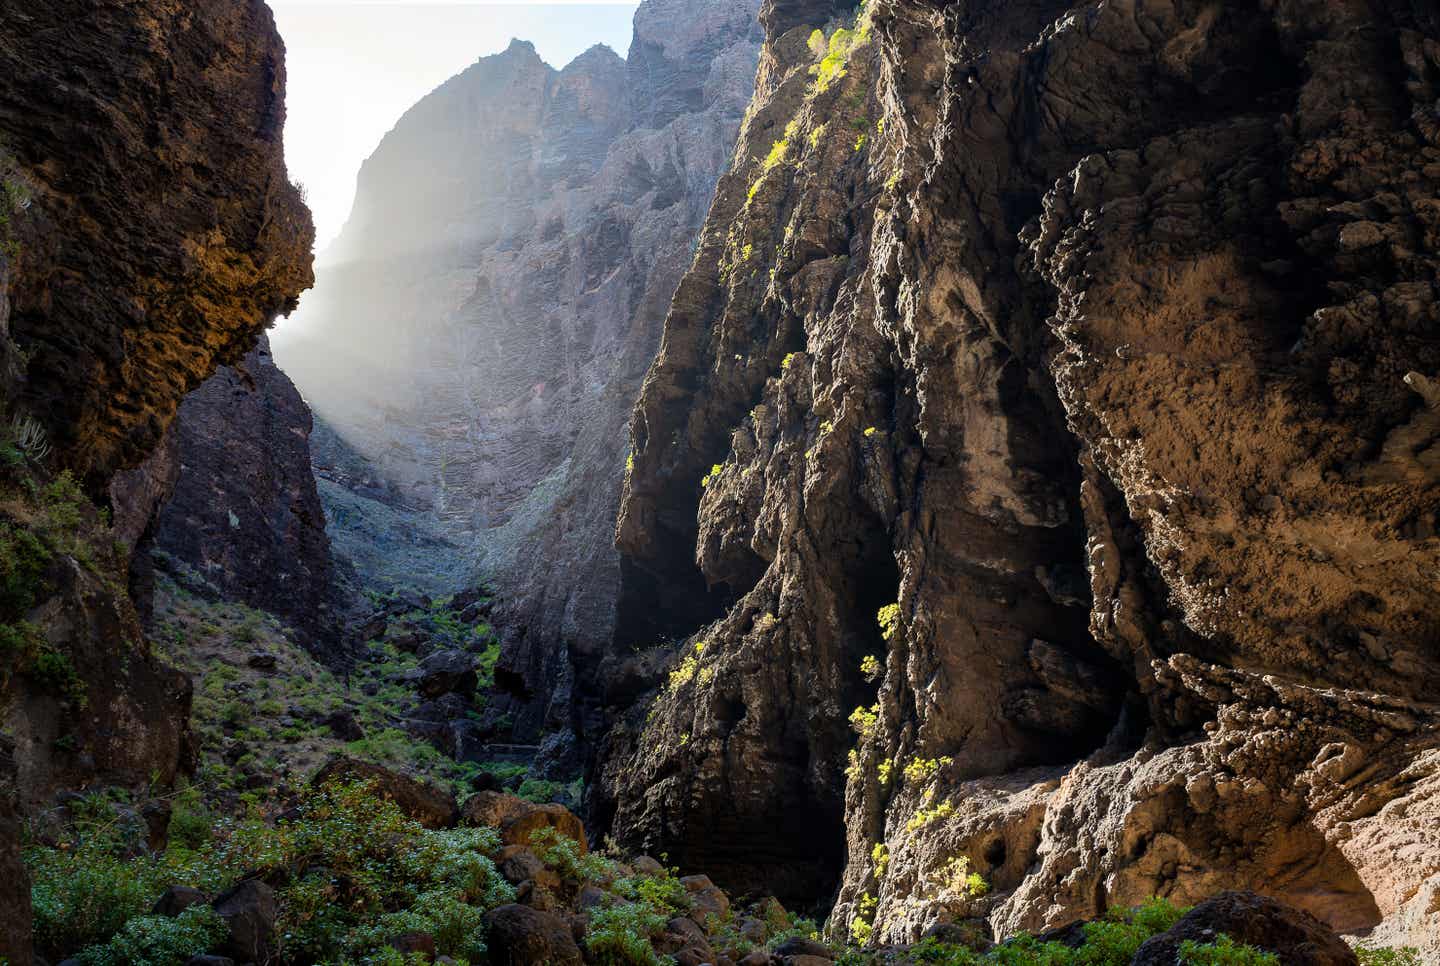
pixel 661 892
pixel 23 560
pixel 159 940
pixel 620 935
pixel 1224 951
pixel 352 869
pixel 84 896
pixel 1386 956
pixel 562 854
pixel 191 824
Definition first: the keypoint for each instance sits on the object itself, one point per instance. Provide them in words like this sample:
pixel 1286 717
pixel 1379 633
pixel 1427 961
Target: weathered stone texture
pixel 1108 358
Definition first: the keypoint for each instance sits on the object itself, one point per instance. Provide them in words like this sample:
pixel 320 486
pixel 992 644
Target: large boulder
pixel 176 899
pixel 248 910
pixel 432 807
pixel 518 819
pixel 522 936
pixel 1297 937
pixel 447 671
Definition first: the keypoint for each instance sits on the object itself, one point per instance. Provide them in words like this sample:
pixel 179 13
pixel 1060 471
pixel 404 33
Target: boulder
pixel 263 661
pixel 517 819
pixel 798 946
pixel 1296 937
pixel 647 866
pixel 176 900
pixel 432 807
pixel 447 671
pixel 408 943
pixel 518 864
pixel 706 898
pixel 974 934
pixel 522 936
pixel 248 910
pixel 342 725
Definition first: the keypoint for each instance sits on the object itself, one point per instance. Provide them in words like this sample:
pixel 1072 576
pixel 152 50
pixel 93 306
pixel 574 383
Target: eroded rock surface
pixel 148 233
pixel 160 232
pixel 244 516
pixel 1098 340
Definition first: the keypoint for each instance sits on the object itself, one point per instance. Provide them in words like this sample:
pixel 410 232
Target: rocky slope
pixel 244 521
pixel 148 233
pixel 494 301
pixel 1053 387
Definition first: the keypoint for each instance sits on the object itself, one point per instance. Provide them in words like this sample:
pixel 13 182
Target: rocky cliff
pixel 244 520
pixel 148 150
pixel 148 233
pixel 480 329
pixel 1040 467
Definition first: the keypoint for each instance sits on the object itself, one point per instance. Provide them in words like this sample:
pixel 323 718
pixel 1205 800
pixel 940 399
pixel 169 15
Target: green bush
pixel 1109 942
pixel 23 560
pixel 352 869
pixel 1224 951
pixel 84 896
pixel 1386 956
pixel 159 940
pixel 620 935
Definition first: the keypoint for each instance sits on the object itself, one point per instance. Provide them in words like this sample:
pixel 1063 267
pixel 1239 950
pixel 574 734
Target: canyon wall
pixel 481 328
pixel 244 520
pixel 148 233
pixel 1040 469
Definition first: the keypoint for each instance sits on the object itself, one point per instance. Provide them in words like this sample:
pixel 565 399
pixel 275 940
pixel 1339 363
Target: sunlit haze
pixel 355 66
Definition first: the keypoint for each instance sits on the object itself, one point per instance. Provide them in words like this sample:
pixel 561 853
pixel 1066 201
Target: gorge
pixel 911 477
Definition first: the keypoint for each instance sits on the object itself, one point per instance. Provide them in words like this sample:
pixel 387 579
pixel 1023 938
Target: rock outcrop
pixel 148 233
pixel 244 516
pixel 1039 467
pixel 158 232
pixel 480 329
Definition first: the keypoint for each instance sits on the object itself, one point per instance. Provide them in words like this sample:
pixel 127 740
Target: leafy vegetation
pixel 353 871
pixel 870 668
pixel 279 716
pixel 889 620
pixel 41 521
pixel 1385 956
pixel 689 668
pixel 863 720
pixel 1224 951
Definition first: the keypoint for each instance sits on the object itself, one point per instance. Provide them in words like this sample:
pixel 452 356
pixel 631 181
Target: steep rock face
pixel 482 326
pixel 1098 340
pixel 159 231
pixel 147 233
pixel 244 513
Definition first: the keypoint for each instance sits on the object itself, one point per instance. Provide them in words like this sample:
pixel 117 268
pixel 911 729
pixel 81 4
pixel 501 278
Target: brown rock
pixel 521 936
pixel 517 819
pixel 799 946
pixel 517 863
pixel 248 910
pixel 138 270
pixel 409 943
pixel 1297 938
pixel 176 899
pixel 1112 408
pixel 244 512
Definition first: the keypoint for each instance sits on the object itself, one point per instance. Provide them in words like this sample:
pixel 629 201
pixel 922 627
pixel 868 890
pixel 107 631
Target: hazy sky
pixel 356 65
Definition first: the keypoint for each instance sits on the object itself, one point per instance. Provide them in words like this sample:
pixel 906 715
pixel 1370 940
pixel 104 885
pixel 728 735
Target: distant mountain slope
pixel 480 329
